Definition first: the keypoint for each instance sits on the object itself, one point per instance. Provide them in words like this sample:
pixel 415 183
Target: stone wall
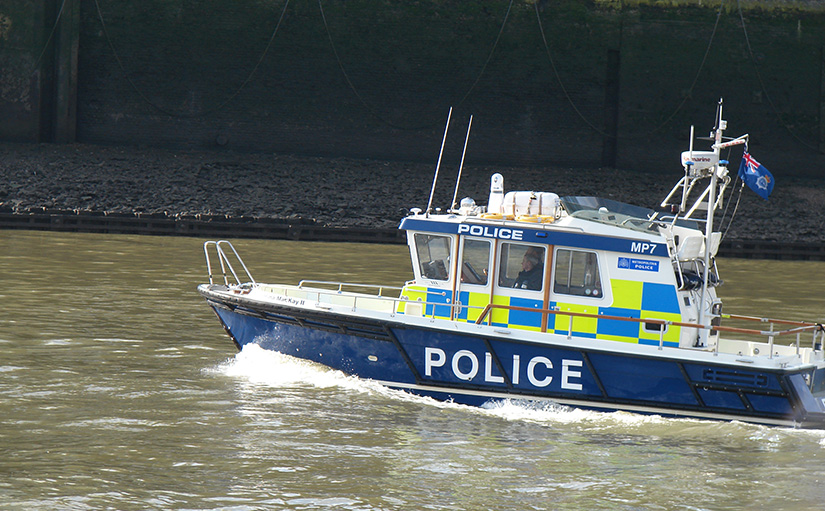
pixel 376 78
pixel 22 27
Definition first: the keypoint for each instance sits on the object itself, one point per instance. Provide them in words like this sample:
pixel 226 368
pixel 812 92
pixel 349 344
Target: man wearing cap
pixel 531 275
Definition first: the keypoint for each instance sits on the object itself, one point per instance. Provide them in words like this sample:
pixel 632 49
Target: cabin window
pixel 433 255
pixel 577 273
pixel 475 263
pixel 521 266
pixel 654 328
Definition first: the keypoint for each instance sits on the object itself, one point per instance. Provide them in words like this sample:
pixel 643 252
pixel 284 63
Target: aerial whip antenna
pixel 438 165
pixel 461 166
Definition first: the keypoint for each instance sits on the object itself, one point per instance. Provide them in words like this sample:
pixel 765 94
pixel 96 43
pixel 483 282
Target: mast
pixel 701 165
pixel 720 127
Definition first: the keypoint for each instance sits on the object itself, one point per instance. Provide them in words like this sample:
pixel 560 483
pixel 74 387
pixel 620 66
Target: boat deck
pixel 372 300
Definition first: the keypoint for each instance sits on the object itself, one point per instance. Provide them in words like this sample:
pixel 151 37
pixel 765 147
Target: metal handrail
pixel 225 262
pixel 769 320
pixel 340 286
pixel 802 326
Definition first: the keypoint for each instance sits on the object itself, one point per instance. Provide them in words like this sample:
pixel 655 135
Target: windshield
pixel 611 212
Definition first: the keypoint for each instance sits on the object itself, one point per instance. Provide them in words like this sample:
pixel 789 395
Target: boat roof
pixel 572 231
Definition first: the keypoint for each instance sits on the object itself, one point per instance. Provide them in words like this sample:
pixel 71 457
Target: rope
pixel 177 114
pixel 762 84
pixel 490 56
pixel 735 208
pixel 666 121
pixel 727 203
pixel 372 110
pixel 49 40
pixel 558 77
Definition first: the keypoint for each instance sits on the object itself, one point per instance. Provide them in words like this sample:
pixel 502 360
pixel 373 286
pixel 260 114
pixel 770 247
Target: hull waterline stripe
pixel 596 405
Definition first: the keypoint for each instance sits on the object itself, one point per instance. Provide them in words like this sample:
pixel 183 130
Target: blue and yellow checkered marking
pixel 472 305
pixel 659 297
pixel 432 297
pixel 576 325
pixel 631 299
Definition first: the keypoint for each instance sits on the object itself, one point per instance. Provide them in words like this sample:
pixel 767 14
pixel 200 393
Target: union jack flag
pixel 756 176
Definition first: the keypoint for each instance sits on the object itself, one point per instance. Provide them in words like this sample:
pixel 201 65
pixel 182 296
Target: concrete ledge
pixel 212 226
pixel 220 226
pixel 765 249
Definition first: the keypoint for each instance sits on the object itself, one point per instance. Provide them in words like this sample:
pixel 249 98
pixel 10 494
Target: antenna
pixel 438 165
pixel 688 171
pixel 718 119
pixel 461 166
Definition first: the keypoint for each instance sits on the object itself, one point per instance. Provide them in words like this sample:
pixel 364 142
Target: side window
pixel 577 273
pixel 433 255
pixel 475 263
pixel 521 266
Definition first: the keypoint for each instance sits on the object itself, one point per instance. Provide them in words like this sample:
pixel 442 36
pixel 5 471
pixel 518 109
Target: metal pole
pixel 661 336
pixel 438 165
pixel 709 221
pixel 461 166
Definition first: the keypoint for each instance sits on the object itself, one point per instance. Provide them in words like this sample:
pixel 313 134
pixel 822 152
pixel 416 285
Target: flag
pixel 756 176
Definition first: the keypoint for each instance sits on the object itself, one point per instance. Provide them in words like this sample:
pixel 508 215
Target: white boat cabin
pixel 527 252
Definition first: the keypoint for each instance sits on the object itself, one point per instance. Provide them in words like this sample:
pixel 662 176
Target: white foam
pixel 259 366
pixel 270 368
pixel 549 412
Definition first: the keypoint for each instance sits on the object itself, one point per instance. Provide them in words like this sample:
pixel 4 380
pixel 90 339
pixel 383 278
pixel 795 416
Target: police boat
pixel 581 301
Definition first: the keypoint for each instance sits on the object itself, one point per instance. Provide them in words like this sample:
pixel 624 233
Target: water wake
pixel 265 368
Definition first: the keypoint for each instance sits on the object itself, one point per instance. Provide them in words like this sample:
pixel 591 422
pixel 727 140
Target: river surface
pixel 119 390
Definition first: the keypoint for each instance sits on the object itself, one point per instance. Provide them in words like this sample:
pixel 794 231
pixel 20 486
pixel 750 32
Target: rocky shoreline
pixel 342 192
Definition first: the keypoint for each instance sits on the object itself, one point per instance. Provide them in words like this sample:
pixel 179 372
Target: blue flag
pixel 756 176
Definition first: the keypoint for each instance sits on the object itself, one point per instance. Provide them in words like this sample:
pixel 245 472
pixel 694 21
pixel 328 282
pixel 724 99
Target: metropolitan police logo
pixel 631 263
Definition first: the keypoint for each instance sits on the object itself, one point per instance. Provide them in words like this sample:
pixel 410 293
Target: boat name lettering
pixel 487 231
pixel 538 370
pixel 643 248
pixel 289 300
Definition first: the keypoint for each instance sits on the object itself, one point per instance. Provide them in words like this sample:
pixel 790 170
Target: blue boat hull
pixel 474 369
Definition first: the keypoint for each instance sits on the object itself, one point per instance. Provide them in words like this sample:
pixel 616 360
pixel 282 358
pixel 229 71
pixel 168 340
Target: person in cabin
pixel 531 275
